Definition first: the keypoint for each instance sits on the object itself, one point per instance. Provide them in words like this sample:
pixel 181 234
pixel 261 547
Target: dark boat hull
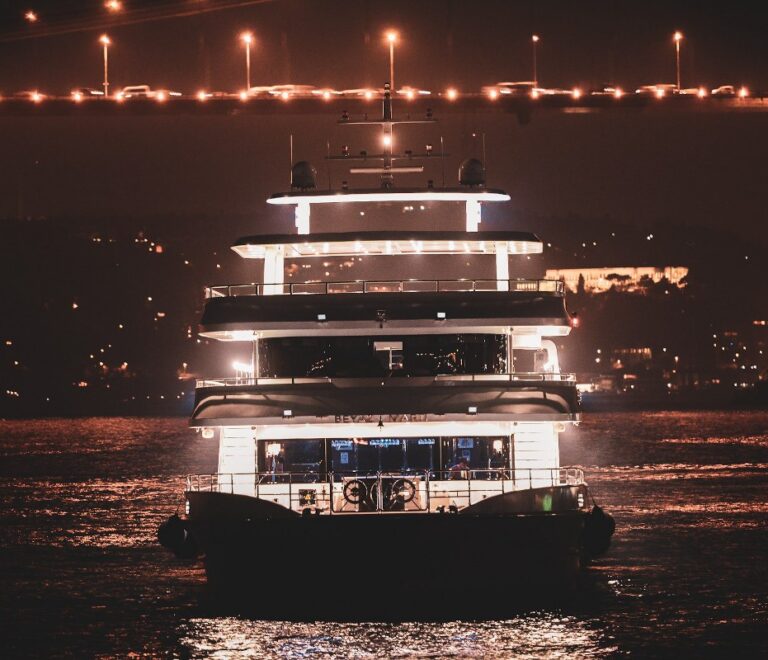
pixel 394 565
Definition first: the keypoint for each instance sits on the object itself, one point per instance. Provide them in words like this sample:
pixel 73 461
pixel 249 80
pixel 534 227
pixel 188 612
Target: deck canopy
pixel 295 246
pixel 471 196
pixel 374 195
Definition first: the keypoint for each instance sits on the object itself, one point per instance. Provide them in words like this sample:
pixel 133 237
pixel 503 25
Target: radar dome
pixel 303 175
pixel 472 173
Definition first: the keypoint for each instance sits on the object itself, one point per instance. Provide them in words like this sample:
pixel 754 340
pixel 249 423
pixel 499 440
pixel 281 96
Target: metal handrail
pixel 556 287
pixel 457 486
pixel 519 376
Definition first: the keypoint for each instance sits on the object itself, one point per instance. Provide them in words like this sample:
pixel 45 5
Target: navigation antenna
pixel 387 160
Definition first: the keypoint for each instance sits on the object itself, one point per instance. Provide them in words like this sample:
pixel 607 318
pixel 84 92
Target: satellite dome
pixel 303 175
pixel 471 173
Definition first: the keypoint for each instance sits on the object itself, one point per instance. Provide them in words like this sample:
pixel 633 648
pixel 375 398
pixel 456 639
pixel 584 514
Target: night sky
pixel 197 182
pixel 694 168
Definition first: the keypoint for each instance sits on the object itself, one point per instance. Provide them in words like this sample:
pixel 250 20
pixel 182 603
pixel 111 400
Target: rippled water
pixel 687 575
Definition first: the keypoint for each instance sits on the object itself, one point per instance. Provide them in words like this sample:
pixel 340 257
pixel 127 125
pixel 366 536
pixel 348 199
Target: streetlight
pixel 678 37
pixel 30 16
pixel 247 38
pixel 105 42
pixel 392 38
pixel 113 5
pixel 534 41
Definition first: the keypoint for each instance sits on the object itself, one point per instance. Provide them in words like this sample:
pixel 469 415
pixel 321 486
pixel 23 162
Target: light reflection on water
pixel 80 501
pixel 530 636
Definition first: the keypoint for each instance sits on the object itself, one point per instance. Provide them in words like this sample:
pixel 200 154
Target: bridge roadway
pixel 522 107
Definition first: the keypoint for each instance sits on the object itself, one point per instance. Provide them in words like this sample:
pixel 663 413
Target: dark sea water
pixel 81 574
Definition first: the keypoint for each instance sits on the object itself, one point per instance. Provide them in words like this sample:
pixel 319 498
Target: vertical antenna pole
pixel 442 158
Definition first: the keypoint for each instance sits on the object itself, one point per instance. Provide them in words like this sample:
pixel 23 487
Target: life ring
pixel 404 490
pixel 355 491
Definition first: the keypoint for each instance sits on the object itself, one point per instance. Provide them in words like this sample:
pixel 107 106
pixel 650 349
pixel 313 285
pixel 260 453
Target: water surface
pixel 82 576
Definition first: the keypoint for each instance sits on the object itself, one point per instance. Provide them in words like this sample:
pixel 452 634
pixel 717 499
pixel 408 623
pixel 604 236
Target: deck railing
pixel 556 287
pixel 520 376
pixel 428 490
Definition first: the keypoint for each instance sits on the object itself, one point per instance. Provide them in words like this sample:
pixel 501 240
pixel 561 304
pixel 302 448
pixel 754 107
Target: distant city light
pixel 113 5
pixel 386 140
pixel 31 16
pixel 247 37
pixel 743 92
pixel 618 93
pixel 452 94
pixel 576 93
pixel 701 93
pixel 201 95
pixel 493 94
pixel 659 93
pixel 391 36
pixel 104 40
pixel 678 36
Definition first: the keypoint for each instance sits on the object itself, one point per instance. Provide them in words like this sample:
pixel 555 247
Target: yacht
pixel 389 439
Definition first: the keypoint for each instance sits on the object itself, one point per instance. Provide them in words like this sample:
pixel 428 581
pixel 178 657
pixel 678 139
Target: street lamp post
pixel 105 42
pixel 535 41
pixel 392 38
pixel 678 38
pixel 247 38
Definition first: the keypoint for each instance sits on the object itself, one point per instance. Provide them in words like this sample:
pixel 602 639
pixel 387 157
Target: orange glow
pixel 391 36
pixel 618 93
pixel 659 93
pixel 113 5
pixel 409 94
pixel 535 38
pixel 201 95
pixel 678 36
pixel 452 94
pixel 701 93
pixel 576 93
pixel 161 96
pixel 247 37
pixel 493 94
pixel 243 95
pixel 104 40
pixel 285 96
pixel 368 95
pixel 77 96
pixel 386 140
pixel 37 97
pixel 743 92
pixel 327 95
pixel 31 16
pixel 534 93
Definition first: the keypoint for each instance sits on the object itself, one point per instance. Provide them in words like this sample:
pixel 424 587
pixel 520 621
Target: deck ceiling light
pixel 472 410
pixel 441 315
pixel 321 317
pixel 287 414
